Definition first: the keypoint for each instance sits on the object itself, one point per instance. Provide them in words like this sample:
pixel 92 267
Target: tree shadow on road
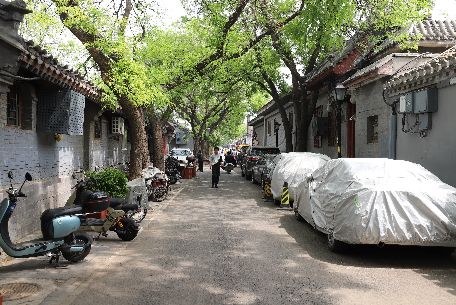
pixel 216 246
pixel 432 263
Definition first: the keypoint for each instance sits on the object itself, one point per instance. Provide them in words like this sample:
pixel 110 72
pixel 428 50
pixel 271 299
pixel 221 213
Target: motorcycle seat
pixel 128 207
pixel 58 212
pixel 115 202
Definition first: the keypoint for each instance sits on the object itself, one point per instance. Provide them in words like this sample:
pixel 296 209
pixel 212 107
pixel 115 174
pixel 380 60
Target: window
pixel 98 128
pixel 372 129
pixel 12 109
pixel 117 125
pixel 290 119
pixel 269 128
pixel 332 129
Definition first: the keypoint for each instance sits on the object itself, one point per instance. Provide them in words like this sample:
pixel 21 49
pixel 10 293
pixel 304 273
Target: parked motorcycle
pixel 172 169
pixel 228 167
pixel 59 228
pixel 157 183
pixel 116 220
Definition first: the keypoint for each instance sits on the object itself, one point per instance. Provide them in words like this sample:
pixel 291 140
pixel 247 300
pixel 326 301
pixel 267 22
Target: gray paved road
pixel 227 246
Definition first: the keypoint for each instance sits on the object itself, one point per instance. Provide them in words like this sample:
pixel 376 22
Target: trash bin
pixel 194 171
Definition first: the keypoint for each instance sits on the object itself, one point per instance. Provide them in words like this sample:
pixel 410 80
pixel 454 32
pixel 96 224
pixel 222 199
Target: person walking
pixel 216 160
pixel 199 156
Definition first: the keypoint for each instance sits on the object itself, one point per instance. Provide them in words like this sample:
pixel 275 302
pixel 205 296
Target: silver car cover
pixel 372 201
pixel 293 168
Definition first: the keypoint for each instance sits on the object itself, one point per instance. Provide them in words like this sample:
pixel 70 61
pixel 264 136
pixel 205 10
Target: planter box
pixel 187 173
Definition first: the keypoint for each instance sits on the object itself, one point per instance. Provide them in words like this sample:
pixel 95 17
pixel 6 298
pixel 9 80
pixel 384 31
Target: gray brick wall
pixel 50 163
pixel 270 140
pixel 369 102
pixel 259 131
pixel 436 152
pixel 108 149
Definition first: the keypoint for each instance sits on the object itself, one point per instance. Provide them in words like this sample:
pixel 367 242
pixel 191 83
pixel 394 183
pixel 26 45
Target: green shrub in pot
pixel 109 180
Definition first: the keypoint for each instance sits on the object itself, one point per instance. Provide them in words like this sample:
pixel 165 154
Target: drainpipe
pixel 265 132
pixel 339 128
pixel 392 138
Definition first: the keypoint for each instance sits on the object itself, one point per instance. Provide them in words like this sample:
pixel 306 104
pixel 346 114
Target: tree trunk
pixel 206 149
pixel 139 153
pixel 197 143
pixel 287 127
pixel 306 108
pixel 158 157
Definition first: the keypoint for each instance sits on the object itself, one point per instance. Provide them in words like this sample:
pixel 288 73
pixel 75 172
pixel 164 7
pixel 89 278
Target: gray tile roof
pixel 427 30
pixel 382 63
pixel 334 58
pixel 435 29
pixel 38 61
pixel 436 69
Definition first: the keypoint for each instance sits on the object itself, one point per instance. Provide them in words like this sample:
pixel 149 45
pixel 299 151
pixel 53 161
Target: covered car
pixel 293 168
pixel 378 201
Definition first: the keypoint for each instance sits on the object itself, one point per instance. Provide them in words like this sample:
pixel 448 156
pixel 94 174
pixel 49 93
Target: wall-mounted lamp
pixel 339 92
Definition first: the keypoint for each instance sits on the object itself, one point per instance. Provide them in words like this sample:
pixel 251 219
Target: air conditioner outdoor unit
pixel 406 103
pixel 118 125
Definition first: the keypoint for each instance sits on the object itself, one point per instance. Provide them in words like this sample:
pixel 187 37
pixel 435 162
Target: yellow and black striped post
pixel 267 193
pixel 285 197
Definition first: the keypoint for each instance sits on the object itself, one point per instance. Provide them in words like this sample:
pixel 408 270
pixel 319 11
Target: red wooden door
pixel 351 111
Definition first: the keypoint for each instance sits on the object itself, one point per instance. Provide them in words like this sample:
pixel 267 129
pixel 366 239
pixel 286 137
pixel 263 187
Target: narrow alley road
pixel 228 246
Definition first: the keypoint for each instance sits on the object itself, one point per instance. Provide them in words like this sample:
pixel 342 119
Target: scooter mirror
pixel 28 177
pixel 10 175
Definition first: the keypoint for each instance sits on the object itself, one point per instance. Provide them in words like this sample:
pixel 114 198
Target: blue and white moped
pixel 60 236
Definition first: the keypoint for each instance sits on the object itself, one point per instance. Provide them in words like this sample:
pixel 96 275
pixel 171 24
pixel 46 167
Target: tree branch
pixel 126 16
pixel 219 53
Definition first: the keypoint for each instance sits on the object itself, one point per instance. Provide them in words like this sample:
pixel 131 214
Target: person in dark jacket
pixel 229 158
pixel 199 156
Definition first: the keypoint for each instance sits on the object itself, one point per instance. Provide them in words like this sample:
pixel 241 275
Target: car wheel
pixel 335 245
pixel 445 251
pixel 298 216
